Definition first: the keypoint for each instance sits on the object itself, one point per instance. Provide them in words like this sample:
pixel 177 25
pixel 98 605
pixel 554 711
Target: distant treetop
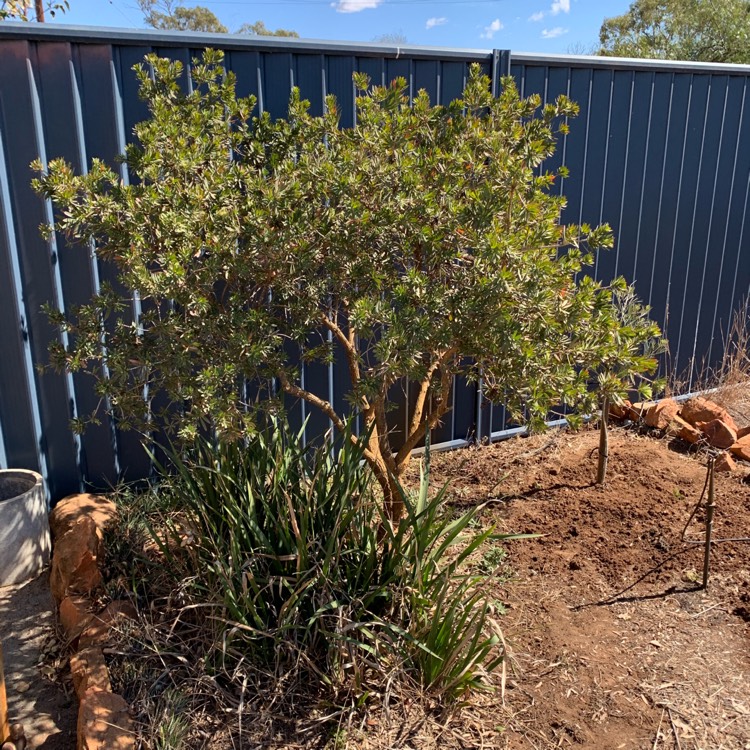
pixel 699 30
pixel 260 29
pixel 172 15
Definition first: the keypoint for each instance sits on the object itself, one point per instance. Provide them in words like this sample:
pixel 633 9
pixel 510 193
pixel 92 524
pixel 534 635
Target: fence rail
pixel 660 150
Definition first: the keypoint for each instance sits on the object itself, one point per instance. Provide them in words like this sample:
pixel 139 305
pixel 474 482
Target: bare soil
pixel 36 698
pixel 613 643
pixel 610 641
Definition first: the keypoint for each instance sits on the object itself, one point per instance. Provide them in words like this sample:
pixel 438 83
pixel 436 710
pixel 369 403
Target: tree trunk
pixel 601 472
pixel 39 9
pixel 393 502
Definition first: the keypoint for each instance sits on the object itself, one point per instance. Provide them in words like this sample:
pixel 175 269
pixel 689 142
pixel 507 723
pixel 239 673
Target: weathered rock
pixel 620 411
pixel 74 615
pixel 718 433
pixel 741 448
pixel 725 463
pixel 679 428
pixel 661 414
pixel 97 633
pixel 743 431
pixel 639 409
pixel 99 507
pixel 74 567
pixel 89 670
pixel 701 409
pixel 104 722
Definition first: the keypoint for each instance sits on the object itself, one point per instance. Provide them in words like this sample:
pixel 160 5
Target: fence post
pixel 500 68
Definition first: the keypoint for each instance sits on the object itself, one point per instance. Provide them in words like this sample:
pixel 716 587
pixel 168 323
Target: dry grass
pixel 732 377
pixel 728 381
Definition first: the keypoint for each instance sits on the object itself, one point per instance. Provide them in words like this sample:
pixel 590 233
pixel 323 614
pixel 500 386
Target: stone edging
pixel 77 525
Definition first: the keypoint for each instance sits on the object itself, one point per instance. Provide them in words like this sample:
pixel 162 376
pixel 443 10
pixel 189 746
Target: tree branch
pixel 347 342
pixel 424 388
pixel 433 417
pixel 325 407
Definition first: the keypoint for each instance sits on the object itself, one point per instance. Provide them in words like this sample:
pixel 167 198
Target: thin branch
pixel 433 417
pixel 381 426
pixel 425 387
pixel 325 407
pixel 350 350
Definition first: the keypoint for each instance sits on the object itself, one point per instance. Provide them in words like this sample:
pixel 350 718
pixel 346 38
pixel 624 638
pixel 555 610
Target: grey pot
pixel 24 527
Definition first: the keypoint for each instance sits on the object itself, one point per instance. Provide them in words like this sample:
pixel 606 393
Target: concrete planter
pixel 24 529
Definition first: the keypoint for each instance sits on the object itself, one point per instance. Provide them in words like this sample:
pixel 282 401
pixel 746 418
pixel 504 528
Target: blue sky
pixel 519 25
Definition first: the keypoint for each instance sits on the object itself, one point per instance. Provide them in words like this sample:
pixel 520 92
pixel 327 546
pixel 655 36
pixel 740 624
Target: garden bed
pixel 595 665
pixel 611 642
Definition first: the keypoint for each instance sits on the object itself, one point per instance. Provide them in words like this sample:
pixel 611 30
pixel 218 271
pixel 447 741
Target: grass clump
pixel 279 561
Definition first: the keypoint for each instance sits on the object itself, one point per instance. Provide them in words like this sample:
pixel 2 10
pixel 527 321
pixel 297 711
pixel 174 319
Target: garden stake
pixel 709 521
pixel 4 728
pixel 601 472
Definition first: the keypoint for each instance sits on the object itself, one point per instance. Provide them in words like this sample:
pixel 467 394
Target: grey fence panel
pixel 659 151
pixel 63 137
pixel 19 417
pixel 37 261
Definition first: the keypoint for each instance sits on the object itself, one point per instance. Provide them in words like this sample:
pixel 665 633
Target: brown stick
pixel 710 505
pixel 4 727
pixel 601 472
pixel 39 8
pixel 418 431
pixel 348 345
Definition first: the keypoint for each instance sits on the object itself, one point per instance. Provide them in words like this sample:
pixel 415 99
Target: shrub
pixel 422 244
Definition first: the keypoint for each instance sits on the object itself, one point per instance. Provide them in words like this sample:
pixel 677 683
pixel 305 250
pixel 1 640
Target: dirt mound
pixel 614 644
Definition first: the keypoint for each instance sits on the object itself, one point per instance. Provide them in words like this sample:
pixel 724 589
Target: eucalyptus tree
pixel 701 30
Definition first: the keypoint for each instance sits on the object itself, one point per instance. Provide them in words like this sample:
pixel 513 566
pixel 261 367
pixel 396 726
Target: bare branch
pixel 325 407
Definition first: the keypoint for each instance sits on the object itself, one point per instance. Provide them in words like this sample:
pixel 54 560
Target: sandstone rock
pixel 743 431
pixel 639 409
pixel 101 509
pixel 725 463
pixel 718 433
pixel 89 670
pixel 104 722
pixel 660 415
pixel 679 428
pixel 620 411
pixel 702 410
pixel 98 630
pixel 74 615
pixel 74 568
pixel 741 448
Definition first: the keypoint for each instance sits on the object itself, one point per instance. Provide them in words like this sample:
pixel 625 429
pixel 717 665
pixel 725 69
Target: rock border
pixel 696 420
pixel 77 523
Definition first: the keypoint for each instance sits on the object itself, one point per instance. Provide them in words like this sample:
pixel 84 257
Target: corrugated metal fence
pixel 660 151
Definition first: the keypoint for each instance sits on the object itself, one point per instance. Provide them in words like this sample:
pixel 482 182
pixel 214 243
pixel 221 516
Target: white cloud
pixel 552 33
pixel 560 6
pixel 433 22
pixel 538 16
pixel 354 6
pixel 491 30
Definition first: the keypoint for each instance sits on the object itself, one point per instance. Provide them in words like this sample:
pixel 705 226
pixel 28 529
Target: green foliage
pixel 628 344
pixel 702 30
pixel 286 543
pixel 260 29
pixel 424 243
pixel 172 16
pixel 20 10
